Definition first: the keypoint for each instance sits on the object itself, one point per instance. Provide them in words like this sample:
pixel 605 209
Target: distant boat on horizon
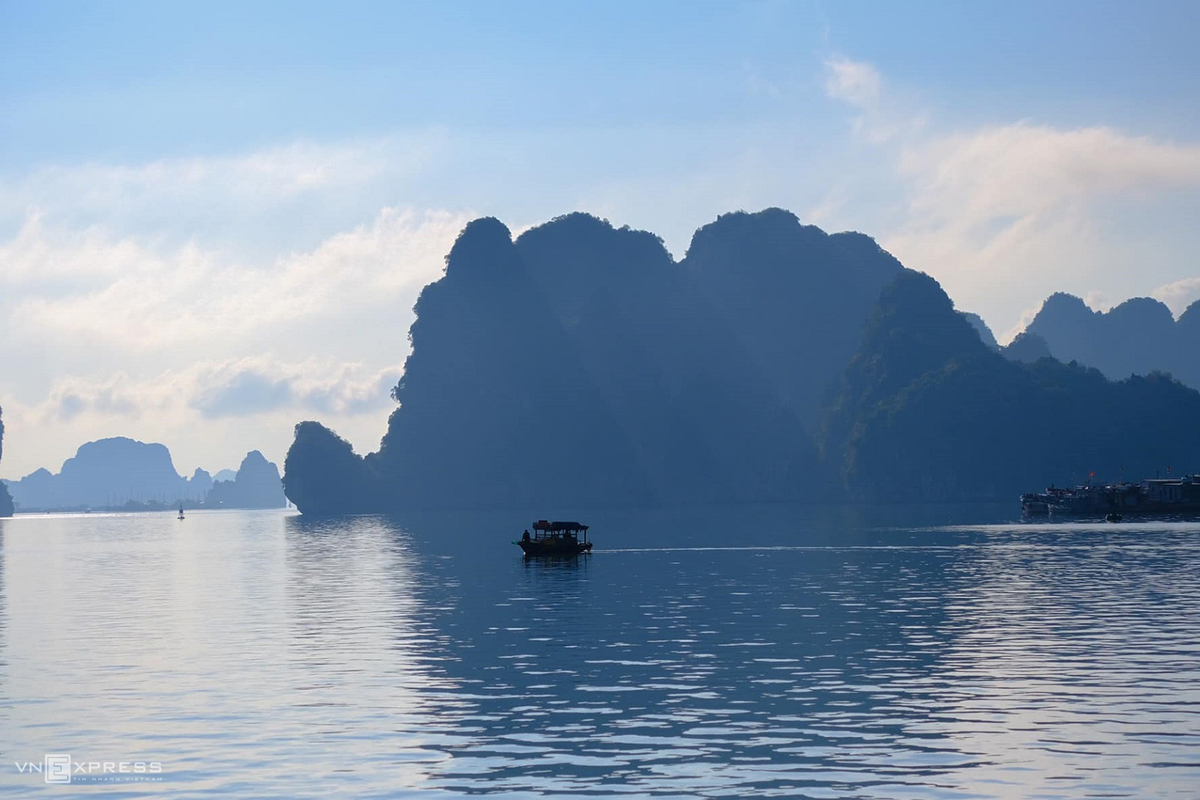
pixel 181 511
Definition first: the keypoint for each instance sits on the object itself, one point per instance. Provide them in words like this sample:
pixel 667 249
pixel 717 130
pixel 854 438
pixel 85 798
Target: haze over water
pixel 775 651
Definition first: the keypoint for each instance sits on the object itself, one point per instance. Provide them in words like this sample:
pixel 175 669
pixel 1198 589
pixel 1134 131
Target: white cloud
pixel 1010 172
pixel 1005 338
pixel 1007 212
pixel 1098 301
pixel 254 182
pixel 884 115
pixel 1004 215
pixel 87 287
pixel 252 385
pixel 856 82
pixel 1178 295
pixel 240 387
pixel 259 397
pixel 210 303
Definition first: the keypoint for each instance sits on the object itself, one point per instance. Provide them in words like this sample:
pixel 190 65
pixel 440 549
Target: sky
pixel 215 217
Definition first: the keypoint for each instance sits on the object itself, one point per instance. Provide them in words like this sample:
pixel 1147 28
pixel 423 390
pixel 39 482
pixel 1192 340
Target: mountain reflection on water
pixel 770 651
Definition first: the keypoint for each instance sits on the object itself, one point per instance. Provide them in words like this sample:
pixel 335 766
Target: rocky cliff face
pixel 323 475
pixel 581 365
pixel 793 296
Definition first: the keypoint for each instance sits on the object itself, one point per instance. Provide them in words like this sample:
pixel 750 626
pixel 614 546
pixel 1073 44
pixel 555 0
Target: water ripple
pixel 263 655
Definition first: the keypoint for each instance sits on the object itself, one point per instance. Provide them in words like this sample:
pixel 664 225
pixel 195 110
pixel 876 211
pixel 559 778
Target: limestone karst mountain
pixel 928 412
pixel 106 473
pixel 580 365
pixel 256 485
pixel 122 472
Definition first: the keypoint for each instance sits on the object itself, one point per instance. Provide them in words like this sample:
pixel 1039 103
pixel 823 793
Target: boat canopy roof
pixel 558 526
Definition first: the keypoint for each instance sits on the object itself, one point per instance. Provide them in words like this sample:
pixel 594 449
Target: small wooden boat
pixel 555 539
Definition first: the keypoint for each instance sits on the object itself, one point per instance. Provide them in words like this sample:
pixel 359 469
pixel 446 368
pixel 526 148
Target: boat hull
pixel 542 548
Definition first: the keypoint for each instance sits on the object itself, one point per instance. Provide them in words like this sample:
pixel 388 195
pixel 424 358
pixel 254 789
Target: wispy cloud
pixel 1014 171
pixel 235 388
pixel 856 82
pixel 218 187
pixel 167 300
pixel 883 116
pixel 250 386
pixel 257 399
pixel 1179 295
pixel 71 287
pixel 1003 213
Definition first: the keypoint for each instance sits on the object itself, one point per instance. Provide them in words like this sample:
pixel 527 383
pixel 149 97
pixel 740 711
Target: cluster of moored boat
pixel 1115 501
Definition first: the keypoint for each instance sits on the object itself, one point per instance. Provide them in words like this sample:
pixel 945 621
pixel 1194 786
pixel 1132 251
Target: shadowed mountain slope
pixel 581 365
pixel 495 403
pixel 1189 325
pixel 794 296
pixel 981 327
pixel 1027 347
pixel 928 412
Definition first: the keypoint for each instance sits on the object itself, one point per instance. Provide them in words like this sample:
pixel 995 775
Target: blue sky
pixel 138 80
pixel 215 218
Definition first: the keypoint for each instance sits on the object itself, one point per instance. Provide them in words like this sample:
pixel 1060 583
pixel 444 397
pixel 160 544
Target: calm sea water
pixel 763 652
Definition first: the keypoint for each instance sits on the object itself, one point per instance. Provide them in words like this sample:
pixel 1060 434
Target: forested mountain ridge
pixel 1136 337
pixel 928 412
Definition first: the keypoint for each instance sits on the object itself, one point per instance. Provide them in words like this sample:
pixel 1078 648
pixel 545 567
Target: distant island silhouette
pixel 1137 337
pixel 6 501
pixel 122 473
pixel 255 485
pixel 580 365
